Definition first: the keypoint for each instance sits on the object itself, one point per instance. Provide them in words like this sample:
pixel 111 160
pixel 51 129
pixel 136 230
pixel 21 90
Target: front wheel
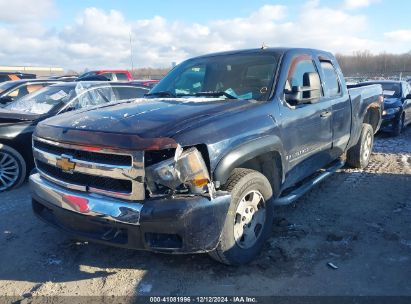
pixel 249 218
pixel 12 168
pixel 359 155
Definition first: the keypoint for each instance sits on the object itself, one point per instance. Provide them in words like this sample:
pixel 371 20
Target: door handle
pixel 325 114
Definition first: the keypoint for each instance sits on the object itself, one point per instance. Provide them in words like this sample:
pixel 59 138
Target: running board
pixel 297 193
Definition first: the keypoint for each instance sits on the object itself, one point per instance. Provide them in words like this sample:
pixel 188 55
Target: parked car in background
pixel 199 165
pixel 18 119
pixel 146 82
pixel 112 75
pixel 397 105
pixel 7 76
pixel 64 77
pixel 93 78
pixel 13 90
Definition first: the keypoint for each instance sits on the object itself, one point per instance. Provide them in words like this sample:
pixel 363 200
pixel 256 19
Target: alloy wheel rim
pixel 9 171
pixel 367 146
pixel 249 219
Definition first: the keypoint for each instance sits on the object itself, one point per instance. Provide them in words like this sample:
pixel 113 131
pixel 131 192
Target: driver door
pixel 306 128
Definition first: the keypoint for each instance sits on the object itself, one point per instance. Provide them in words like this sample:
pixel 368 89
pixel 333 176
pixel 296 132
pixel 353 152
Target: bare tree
pixel 363 63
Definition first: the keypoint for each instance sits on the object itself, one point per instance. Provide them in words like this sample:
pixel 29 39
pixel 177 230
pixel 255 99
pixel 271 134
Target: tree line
pixel 364 63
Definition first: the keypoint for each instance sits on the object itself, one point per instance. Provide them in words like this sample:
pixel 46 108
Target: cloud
pixel 354 4
pixel 101 39
pixel 25 11
pixel 399 36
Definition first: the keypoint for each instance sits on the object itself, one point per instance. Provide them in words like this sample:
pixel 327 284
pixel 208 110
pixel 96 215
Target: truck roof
pixel 274 50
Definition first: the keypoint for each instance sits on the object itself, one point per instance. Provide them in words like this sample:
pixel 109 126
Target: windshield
pixel 81 95
pixel 6 85
pixel 243 76
pixel 43 100
pixel 391 90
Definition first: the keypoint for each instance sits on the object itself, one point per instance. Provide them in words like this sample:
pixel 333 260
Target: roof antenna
pixel 264 46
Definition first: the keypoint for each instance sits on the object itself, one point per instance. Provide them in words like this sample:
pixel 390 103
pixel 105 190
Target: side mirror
pixel 310 92
pixel 70 108
pixel 408 96
pixel 6 99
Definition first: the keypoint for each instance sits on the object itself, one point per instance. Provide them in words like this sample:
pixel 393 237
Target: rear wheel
pixel 249 218
pixel 12 168
pixel 359 155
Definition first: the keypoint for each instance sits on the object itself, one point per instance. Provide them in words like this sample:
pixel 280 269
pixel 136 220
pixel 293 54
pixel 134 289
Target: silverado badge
pixel 66 164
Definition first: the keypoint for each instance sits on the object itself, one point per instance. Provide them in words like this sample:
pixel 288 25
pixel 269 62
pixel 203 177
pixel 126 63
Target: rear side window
pixel 332 85
pixel 121 77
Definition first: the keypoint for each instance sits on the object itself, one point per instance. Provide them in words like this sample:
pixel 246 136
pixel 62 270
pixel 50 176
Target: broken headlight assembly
pixel 185 173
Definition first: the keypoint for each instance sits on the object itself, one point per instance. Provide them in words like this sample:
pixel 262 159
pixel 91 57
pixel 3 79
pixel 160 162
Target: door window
pixel 121 77
pixel 300 66
pixel 124 93
pixel 299 74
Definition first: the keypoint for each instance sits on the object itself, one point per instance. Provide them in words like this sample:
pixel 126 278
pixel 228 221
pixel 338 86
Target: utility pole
pixel 131 53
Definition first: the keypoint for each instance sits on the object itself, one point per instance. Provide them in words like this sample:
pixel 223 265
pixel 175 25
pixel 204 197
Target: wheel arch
pixel 372 116
pixel 263 154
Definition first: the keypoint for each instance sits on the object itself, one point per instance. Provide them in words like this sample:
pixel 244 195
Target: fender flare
pixel 245 152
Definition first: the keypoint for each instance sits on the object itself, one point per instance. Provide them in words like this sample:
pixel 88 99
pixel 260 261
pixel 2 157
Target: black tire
pixel 357 156
pixel 398 125
pixel 19 175
pixel 244 182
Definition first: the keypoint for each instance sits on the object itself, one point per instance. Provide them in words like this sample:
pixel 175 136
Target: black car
pixel 64 77
pixel 397 105
pixel 7 76
pixel 18 119
pixel 13 90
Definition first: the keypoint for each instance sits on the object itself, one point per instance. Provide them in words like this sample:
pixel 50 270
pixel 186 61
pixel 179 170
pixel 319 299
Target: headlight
pixel 390 111
pixel 186 168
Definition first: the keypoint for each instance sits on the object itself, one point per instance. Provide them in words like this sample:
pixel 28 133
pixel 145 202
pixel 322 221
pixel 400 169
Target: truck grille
pixel 106 172
pixel 104 183
pixel 110 159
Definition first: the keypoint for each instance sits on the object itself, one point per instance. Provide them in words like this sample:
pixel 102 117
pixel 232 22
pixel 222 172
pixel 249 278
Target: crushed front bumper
pixel 179 224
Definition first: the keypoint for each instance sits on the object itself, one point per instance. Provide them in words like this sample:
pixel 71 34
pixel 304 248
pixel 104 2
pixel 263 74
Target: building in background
pixel 39 71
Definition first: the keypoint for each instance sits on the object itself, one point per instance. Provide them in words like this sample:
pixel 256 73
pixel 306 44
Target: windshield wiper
pixel 161 94
pixel 215 94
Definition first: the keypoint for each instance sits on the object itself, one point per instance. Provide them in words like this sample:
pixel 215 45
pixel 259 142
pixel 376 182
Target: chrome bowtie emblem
pixel 66 164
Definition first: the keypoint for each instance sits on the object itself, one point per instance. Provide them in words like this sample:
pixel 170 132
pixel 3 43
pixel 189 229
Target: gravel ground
pixel 359 220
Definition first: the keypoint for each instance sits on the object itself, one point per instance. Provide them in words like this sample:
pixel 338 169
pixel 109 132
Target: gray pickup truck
pixel 200 163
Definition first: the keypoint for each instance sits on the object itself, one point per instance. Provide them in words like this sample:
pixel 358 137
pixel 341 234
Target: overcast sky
pixel 96 33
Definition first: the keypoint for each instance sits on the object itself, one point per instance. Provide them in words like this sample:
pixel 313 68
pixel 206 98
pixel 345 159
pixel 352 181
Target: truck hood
pixel 137 123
